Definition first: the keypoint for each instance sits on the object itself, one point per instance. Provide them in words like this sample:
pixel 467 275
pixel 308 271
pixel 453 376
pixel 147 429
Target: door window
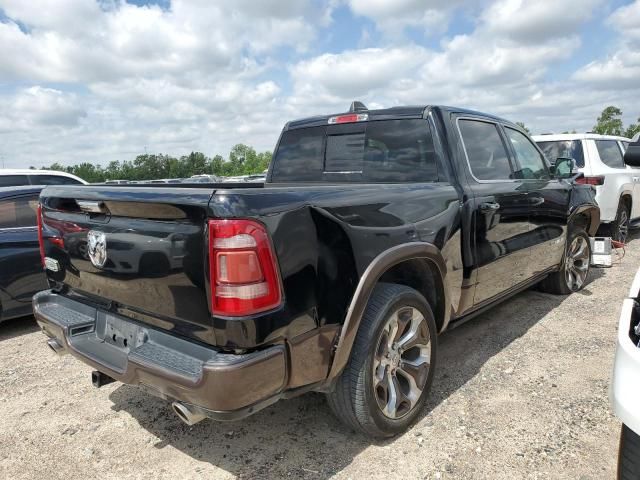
pixel 486 153
pixel 18 212
pixel 13 180
pixel 610 153
pixel 531 162
pixel 53 180
pixel 554 149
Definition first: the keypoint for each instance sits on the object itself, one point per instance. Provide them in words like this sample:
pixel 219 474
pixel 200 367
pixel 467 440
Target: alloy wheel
pixel 623 226
pixel 576 266
pixel 401 362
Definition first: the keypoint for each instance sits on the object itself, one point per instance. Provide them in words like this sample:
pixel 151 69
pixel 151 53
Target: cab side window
pixel 487 155
pixel 531 163
pixel 610 153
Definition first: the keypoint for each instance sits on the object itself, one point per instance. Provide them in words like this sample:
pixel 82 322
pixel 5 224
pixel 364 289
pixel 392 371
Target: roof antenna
pixel 357 106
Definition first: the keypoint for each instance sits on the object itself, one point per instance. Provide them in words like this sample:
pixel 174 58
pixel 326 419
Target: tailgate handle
pixel 91 206
pixel 489 206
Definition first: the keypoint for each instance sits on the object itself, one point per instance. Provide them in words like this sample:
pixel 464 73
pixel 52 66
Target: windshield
pixel 563 148
pixel 365 152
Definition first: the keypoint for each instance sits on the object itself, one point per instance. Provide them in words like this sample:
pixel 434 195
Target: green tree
pixel 524 127
pixel 609 122
pixel 632 129
pixel 217 165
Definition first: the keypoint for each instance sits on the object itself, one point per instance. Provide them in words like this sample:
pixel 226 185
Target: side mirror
pixel 632 155
pixel 565 167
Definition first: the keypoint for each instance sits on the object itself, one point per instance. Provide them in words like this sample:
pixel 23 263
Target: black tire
pixel 629 455
pixel 620 226
pixel 353 400
pixel 557 282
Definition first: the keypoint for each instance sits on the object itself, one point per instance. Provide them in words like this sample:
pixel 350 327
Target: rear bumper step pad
pixel 222 385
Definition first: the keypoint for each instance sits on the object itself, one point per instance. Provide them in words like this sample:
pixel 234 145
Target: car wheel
pixel 389 374
pixel 620 226
pixel 574 271
pixel 629 455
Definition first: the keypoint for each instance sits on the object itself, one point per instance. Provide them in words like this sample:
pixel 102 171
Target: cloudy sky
pixel 86 80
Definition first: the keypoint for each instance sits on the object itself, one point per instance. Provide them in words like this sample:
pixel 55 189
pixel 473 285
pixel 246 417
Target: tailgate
pixel 137 251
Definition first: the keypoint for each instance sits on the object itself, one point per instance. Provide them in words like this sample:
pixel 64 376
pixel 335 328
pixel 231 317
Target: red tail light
pixel 590 180
pixel 242 268
pixel 40 239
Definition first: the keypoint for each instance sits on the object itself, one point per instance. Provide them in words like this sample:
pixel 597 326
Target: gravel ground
pixel 520 392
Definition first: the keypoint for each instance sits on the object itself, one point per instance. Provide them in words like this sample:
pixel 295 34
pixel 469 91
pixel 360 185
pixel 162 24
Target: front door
pixel 501 222
pixel 548 200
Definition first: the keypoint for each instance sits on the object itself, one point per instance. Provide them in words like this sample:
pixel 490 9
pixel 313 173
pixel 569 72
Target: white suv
pixel 14 177
pixel 599 158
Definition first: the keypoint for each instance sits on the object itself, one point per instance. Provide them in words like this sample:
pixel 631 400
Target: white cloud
pixel 620 70
pixel 540 20
pixel 393 16
pixel 626 20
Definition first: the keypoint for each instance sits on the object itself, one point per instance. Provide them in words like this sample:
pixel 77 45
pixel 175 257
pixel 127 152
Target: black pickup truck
pixel 375 231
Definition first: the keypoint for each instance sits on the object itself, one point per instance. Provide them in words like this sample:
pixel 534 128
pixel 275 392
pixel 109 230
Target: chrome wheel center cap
pixel 394 358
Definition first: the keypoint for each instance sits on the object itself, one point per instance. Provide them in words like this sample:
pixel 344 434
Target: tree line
pixel 242 160
pixel 608 123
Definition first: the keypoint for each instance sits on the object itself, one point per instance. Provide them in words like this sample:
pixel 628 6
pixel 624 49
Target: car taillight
pixel 590 180
pixel 40 239
pixel 242 268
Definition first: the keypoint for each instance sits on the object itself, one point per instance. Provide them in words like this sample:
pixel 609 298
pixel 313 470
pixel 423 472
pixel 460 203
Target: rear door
pixel 21 274
pixel 618 179
pixel 548 201
pixel 501 223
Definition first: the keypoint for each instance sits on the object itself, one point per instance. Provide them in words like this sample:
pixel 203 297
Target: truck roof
pixel 392 113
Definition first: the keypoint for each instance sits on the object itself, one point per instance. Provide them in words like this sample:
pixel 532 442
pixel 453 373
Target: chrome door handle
pixel 489 206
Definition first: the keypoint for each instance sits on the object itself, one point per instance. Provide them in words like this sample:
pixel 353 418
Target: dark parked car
pixel 21 272
pixel 374 232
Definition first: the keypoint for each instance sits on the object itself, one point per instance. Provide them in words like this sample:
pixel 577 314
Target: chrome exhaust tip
pixel 55 346
pixel 187 414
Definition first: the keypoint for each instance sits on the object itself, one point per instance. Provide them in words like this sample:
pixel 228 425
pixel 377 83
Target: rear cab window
pixel 555 149
pixel 610 153
pixel 376 151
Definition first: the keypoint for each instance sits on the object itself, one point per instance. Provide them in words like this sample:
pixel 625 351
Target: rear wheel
pixel 386 381
pixel 574 271
pixel 620 226
pixel 629 455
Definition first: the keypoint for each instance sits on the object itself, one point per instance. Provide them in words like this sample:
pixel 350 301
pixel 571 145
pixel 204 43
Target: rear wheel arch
pixel 627 199
pixel 422 275
pixel 393 265
pixel 586 217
